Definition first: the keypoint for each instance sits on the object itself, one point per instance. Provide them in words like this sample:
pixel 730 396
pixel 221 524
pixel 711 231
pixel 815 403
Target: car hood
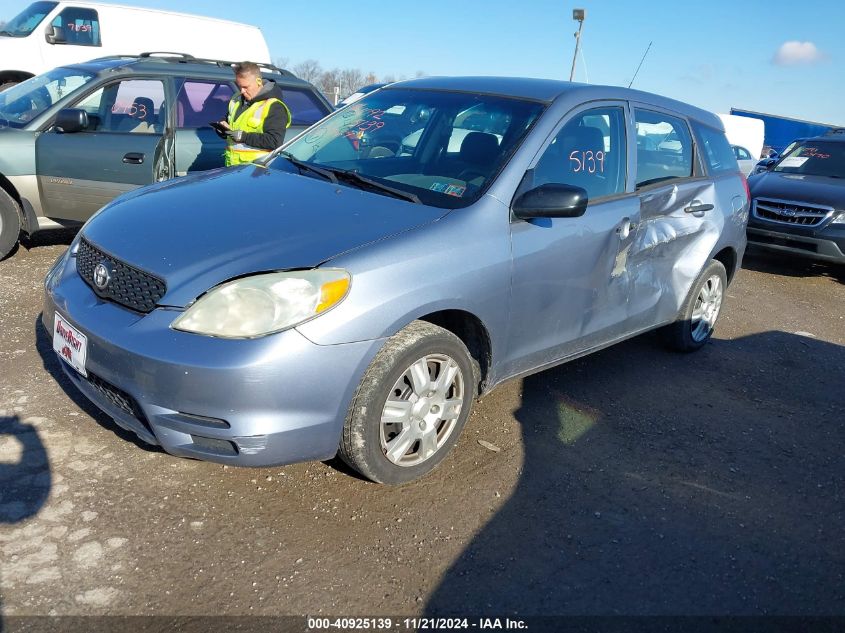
pixel 199 231
pixel 799 188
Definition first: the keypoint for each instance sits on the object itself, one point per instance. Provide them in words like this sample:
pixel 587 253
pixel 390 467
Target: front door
pixel 126 145
pixel 570 280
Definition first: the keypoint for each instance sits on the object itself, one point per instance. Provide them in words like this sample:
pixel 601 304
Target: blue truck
pixel 780 131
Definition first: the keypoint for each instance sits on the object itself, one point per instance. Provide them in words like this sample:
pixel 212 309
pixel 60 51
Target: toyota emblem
pixel 102 276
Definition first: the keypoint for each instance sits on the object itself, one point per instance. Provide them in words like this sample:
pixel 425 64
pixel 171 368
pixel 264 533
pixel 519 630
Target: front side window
pixel 590 152
pixel 25 22
pixel 77 27
pixel 815 158
pixel 134 106
pixel 664 147
pixel 716 150
pixel 201 102
pixel 25 101
pixel 432 144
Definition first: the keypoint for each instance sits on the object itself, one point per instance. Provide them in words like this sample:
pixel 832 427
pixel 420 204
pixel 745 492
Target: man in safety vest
pixel 257 117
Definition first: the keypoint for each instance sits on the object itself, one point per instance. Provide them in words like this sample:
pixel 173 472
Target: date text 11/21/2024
pixel 413 624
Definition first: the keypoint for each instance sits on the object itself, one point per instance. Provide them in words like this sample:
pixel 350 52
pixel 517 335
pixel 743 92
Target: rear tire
pixel 697 318
pixel 411 405
pixel 10 223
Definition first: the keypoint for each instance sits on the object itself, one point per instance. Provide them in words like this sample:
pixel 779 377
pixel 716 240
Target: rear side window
pixel 76 26
pixel 305 108
pixel 201 102
pixel 717 152
pixel 664 148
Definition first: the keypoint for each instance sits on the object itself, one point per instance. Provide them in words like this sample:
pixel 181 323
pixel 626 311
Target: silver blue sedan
pixel 355 292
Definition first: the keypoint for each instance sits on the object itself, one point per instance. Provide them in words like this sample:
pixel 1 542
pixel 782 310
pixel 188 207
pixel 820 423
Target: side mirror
pixel 551 200
pixel 770 162
pixel 71 120
pixel 55 35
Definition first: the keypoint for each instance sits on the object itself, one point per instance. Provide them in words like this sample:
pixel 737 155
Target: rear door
pixel 680 221
pixel 126 146
pixel 198 103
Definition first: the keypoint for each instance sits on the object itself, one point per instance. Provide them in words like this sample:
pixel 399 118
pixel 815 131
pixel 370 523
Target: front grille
pixel 787 212
pixel 118 398
pixel 129 286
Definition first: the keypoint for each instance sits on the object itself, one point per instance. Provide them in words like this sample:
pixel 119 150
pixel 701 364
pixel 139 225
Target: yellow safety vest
pixel 251 120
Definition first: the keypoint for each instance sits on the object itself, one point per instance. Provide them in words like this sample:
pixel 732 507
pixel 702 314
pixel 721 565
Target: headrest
pixel 479 148
pixel 145 109
pixel 584 138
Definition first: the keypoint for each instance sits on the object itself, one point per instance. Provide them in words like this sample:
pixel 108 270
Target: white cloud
pixel 797 53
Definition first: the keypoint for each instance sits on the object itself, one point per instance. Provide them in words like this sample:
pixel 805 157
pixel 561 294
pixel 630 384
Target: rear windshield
pixel 815 158
pixel 25 22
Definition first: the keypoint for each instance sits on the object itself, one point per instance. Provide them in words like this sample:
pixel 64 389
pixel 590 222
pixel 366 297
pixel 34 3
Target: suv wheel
pixel 698 315
pixel 10 223
pixel 411 405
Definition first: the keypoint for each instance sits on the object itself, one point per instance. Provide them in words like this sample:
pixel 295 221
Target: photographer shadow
pixel 657 483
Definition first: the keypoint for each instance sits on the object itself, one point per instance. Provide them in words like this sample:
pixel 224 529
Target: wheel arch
pixel 728 258
pixel 14 75
pixel 472 332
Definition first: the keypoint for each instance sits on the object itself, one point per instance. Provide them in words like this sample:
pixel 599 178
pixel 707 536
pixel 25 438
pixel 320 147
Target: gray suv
pixel 373 291
pixel 74 138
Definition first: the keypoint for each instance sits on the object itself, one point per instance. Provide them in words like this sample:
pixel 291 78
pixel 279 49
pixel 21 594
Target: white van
pixel 49 34
pixel 746 136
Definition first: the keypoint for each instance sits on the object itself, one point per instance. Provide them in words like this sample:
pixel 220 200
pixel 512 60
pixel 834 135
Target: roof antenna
pixel 641 63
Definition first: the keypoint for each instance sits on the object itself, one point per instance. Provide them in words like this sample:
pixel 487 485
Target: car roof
pixel 177 65
pixel 548 90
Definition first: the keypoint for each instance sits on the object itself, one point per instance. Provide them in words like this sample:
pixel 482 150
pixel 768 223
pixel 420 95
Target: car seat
pixel 144 119
pixel 477 154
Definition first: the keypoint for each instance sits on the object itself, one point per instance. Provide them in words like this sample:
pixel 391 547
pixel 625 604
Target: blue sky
pixel 715 54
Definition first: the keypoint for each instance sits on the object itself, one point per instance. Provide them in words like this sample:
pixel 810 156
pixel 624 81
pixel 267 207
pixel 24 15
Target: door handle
pixel 134 158
pixel 624 228
pixel 696 207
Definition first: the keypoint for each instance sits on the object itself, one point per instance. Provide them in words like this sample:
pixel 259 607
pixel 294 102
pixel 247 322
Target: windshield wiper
pixel 325 173
pixel 358 179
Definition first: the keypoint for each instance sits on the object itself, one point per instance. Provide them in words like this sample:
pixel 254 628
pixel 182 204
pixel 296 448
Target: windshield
pixel 25 101
pixel 815 158
pixel 443 147
pixel 25 22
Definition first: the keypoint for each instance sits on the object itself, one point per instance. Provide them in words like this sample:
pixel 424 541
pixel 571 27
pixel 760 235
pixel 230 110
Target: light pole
pixel 577 14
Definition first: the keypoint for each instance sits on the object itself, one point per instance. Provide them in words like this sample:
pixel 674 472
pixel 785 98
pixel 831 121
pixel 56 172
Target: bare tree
pixel 328 81
pixel 371 78
pixel 420 73
pixel 282 62
pixel 350 80
pixel 309 70
pixel 389 79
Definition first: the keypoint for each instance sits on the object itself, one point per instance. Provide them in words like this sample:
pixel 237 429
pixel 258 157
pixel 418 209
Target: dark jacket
pixel 275 123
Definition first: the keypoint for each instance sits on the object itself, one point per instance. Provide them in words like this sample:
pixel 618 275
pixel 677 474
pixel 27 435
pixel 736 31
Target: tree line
pixel 346 80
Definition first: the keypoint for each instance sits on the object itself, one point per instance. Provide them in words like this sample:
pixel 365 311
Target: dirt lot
pixel 634 481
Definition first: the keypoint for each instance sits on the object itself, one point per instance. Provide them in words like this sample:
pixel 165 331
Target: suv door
pixel 679 223
pixel 570 278
pixel 198 103
pixel 125 146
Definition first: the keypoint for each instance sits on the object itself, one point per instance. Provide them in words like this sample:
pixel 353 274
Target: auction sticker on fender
pixel 70 344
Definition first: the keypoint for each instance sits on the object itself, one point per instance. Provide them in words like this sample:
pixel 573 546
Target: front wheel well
pixel 7 76
pixel 469 328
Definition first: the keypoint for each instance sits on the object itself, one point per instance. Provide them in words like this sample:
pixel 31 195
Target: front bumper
pixel 825 243
pixel 259 402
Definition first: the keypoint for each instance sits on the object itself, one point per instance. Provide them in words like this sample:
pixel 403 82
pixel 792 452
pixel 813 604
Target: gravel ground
pixel 633 481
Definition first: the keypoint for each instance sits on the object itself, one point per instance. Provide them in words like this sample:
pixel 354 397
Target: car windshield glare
pixel 444 147
pixel 25 22
pixel 25 101
pixel 815 158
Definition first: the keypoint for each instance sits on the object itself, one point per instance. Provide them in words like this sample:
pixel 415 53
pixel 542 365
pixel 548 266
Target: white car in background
pixel 744 159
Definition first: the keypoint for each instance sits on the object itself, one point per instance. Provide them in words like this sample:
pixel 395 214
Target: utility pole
pixel 577 14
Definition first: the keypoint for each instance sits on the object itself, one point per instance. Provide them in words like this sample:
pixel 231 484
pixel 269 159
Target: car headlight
pixel 263 304
pixel 839 219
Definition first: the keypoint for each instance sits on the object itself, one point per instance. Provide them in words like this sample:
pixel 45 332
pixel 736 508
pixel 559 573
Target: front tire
pixel 10 223
pixel 697 318
pixel 411 405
